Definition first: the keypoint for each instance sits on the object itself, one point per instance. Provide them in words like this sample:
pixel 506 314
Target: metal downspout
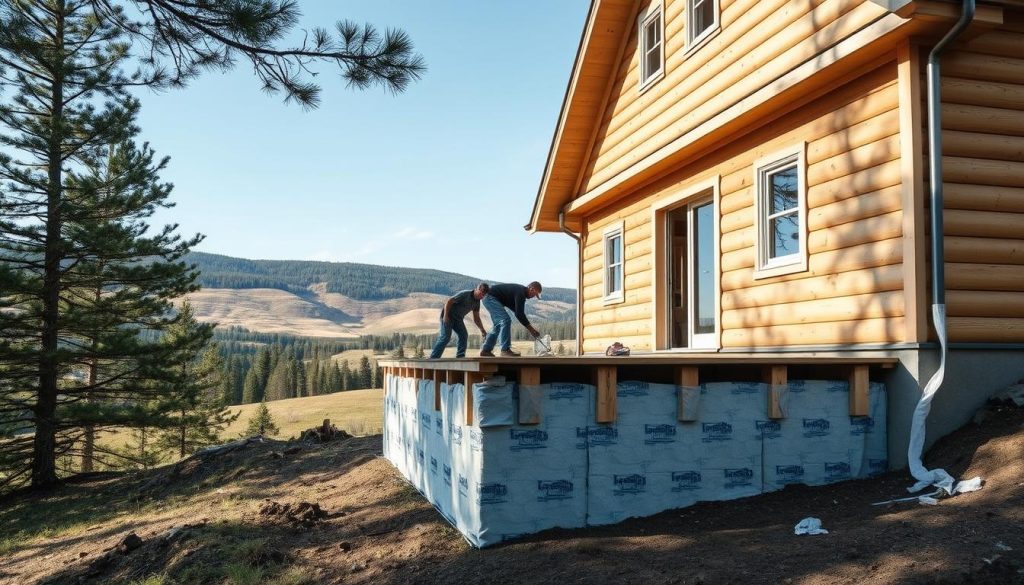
pixel 579 281
pixel 924 476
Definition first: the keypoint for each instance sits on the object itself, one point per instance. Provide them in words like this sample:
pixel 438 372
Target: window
pixel 781 221
pixel 652 46
pixel 613 264
pixel 701 22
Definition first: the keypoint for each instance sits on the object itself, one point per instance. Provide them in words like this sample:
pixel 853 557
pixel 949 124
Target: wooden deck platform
pixel 681 369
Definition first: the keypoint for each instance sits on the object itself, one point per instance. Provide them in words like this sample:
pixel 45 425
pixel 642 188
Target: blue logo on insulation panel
pixel 654 434
pixel 438 425
pixel 476 440
pixel 740 388
pixel 768 429
pixel 491 493
pixel 596 436
pixel 463 486
pixel 455 432
pixel 816 427
pixel 447 475
pixel 714 432
pixel 566 391
pixel 433 465
pixel 425 420
pixel 528 439
pixel 629 484
pixel 787 474
pixel 632 389
pixel 554 490
pixel 877 466
pixel 837 471
pixel 861 425
pixel 738 478
pixel 685 481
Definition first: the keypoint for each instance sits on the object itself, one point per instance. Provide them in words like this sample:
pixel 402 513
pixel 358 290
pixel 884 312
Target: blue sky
pixel 442 176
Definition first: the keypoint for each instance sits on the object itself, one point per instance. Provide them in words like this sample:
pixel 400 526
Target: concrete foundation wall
pixel 971 377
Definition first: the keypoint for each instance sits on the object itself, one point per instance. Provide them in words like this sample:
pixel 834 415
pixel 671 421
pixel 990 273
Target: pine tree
pixel 193 401
pixel 63 63
pixel 261 423
pixel 346 376
pixel 279 384
pixel 365 373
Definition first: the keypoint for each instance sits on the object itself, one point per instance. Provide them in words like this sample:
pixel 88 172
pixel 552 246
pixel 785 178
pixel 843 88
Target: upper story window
pixel 613 264
pixel 702 21
pixel 652 45
pixel 781 214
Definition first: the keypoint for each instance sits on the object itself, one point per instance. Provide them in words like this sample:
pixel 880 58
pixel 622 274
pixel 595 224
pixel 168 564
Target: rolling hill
pixel 337 299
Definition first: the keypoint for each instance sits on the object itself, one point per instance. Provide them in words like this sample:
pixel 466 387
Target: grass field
pixel 359 412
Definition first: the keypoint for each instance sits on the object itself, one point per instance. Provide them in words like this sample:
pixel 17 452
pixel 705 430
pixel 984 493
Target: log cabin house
pixel 748 184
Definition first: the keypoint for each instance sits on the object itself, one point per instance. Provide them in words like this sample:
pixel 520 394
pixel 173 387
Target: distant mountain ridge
pixel 339 299
pixel 361 282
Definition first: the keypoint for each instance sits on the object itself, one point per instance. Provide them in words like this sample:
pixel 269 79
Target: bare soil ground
pixel 279 512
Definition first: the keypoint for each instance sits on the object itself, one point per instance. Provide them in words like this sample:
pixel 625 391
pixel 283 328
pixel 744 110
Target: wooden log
pixel 854 209
pixel 864 181
pixel 984 250
pixel 859 386
pixel 606 383
pixel 982 119
pixel 737 220
pixel 983 67
pixel 983 145
pixel 600 344
pixel 983 224
pixel 777 378
pixel 638 296
pixel 640 326
pixel 1004 277
pixel 842 284
pixel 975 92
pixel 883 330
pixel 857 159
pixel 870 255
pixel 848 308
pixel 687 377
pixel 984 303
pixel 841 142
pixel 741 198
pixel 909 56
pixel 985 329
pixel 998 42
pixel 617 313
pixel 983 197
pixel 875 228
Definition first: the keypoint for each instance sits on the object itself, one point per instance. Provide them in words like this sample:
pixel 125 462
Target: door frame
pixel 661 337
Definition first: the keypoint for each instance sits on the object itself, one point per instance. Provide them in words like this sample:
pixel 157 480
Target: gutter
pixel 579 281
pixel 937 477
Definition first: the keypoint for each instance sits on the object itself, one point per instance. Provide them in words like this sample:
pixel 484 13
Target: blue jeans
pixel 501 330
pixel 445 334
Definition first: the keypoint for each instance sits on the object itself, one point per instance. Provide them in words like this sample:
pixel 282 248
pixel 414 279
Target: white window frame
pixel 615 230
pixel 694 42
pixel 764 168
pixel 654 11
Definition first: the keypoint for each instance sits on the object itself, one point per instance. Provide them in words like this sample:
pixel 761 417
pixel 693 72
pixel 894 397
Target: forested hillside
pixel 365 282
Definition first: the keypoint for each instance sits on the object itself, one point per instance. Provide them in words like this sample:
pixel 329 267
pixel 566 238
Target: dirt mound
pixel 297 514
pixel 324 433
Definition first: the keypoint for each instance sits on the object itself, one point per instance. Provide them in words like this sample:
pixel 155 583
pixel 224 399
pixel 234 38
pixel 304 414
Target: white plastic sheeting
pixel 497 480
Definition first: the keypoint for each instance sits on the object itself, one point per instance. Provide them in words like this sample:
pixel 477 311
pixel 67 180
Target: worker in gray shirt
pixel 511 296
pixel 453 315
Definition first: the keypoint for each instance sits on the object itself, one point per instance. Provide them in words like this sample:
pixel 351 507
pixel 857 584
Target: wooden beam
pixel 470 379
pixel 438 377
pixel 778 383
pixel 605 380
pixel 687 377
pixel 859 383
pixel 528 376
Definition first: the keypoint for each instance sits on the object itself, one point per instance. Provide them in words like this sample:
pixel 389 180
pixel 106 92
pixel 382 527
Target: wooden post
pixel 438 376
pixel 605 380
pixel 778 382
pixel 470 379
pixel 859 382
pixel 528 376
pixel 688 377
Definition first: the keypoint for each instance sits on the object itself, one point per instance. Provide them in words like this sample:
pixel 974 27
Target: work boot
pixel 509 353
pixel 486 353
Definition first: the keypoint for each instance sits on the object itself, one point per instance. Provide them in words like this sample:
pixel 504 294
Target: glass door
pixel 691 274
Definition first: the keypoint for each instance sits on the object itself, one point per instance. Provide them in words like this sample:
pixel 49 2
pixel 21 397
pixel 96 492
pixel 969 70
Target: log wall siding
pixel 983 170
pixel 851 292
pixel 758 41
